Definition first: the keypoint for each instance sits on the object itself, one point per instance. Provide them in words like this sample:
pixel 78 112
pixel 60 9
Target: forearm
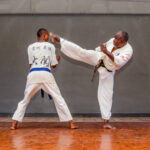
pixel 110 55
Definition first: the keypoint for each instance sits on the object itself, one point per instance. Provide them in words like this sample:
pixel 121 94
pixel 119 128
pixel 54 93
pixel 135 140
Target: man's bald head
pixel 120 39
pixel 122 34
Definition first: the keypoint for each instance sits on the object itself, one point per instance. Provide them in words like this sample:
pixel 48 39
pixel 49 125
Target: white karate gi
pixel 106 78
pixel 42 55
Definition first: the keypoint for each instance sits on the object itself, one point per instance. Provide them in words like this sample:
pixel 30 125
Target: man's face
pixel 119 41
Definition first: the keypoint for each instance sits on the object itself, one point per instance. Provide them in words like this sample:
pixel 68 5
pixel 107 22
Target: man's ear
pixel 46 37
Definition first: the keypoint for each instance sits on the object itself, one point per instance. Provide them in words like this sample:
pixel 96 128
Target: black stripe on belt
pixel 102 65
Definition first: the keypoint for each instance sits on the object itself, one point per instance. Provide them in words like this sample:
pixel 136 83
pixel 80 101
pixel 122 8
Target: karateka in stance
pixel 42 57
pixel 107 58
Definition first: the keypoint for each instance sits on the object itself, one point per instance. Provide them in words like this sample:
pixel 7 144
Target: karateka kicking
pixel 107 58
pixel 42 57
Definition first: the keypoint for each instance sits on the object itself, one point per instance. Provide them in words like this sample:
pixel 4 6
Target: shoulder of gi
pixel 51 46
pixel 123 56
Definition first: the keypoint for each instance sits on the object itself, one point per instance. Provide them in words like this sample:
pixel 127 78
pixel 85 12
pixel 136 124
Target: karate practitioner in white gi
pixel 110 57
pixel 42 57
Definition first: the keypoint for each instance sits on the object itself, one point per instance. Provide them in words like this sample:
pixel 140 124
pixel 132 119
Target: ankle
pixel 106 121
pixel 71 122
pixel 15 123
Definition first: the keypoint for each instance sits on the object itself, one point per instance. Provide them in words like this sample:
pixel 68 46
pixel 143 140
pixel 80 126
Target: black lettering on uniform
pixel 34 60
pixel 45 61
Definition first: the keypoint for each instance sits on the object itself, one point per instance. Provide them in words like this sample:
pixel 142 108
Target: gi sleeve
pixel 30 58
pixel 53 61
pixel 76 52
pixel 123 57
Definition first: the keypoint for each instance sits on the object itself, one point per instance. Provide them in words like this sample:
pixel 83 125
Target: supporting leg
pixel 61 106
pixel 30 90
pixel 105 94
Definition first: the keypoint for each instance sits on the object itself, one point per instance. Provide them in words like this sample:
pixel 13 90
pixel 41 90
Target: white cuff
pixel 62 40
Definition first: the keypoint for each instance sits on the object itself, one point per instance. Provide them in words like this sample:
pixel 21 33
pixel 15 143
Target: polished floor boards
pixel 90 136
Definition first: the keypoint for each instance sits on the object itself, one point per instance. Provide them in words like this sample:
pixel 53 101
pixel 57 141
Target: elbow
pixel 53 66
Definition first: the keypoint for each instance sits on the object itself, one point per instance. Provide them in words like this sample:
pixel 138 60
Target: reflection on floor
pixel 131 134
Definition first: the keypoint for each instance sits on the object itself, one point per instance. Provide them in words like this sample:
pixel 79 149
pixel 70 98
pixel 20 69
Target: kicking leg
pixel 76 52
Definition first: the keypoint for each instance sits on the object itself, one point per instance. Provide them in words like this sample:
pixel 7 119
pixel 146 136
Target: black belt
pixel 99 64
pixel 102 65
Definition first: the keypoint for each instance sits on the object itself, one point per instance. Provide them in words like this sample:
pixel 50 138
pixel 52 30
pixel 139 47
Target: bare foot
pixel 14 125
pixel 108 126
pixel 73 125
pixel 13 128
pixel 54 38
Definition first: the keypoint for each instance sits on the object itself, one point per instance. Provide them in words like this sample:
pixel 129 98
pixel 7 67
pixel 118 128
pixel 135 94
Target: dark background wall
pixel 132 82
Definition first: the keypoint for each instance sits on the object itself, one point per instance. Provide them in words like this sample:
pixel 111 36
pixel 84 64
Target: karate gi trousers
pixel 42 80
pixel 106 78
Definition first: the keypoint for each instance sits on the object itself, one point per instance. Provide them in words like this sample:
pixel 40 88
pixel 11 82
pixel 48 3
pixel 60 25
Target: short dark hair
pixel 125 36
pixel 41 31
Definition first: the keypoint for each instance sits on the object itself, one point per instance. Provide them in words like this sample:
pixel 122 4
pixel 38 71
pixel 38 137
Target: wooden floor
pixel 90 136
